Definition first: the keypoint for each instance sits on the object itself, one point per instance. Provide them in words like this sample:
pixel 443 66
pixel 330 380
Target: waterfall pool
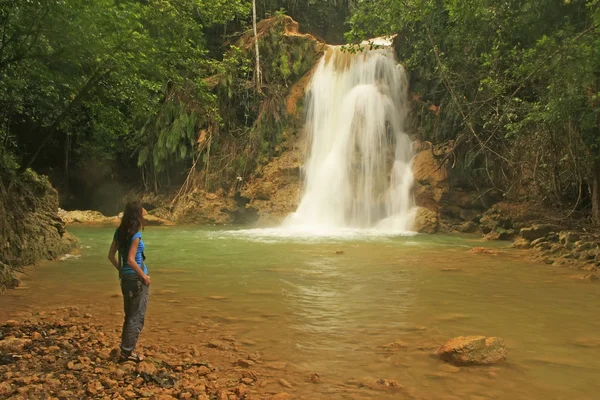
pixel 330 305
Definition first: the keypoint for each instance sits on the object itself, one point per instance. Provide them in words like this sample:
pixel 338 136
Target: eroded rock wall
pixel 30 228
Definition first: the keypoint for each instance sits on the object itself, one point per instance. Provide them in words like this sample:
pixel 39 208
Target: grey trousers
pixel 135 300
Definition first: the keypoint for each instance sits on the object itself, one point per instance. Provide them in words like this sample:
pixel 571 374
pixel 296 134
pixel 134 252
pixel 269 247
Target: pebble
pixel 285 383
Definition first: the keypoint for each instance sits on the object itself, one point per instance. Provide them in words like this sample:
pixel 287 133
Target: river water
pixel 331 305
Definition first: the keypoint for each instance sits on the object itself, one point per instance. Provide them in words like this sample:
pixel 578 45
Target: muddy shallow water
pixel 333 306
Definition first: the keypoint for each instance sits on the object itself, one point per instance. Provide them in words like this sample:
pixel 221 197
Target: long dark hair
pixel 131 223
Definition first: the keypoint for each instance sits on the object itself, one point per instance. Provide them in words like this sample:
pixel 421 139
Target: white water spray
pixel 358 168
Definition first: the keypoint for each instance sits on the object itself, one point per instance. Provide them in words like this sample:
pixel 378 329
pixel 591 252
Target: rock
pixel 94 388
pixel 217 344
pixel 285 383
pixel 12 323
pixel 388 383
pixel 568 239
pixel 469 350
pixel 541 243
pixel 521 243
pixel 241 391
pixel 483 250
pixel 315 378
pixel 14 345
pixel 203 371
pixel 469 227
pixel 146 367
pixel 536 231
pixel 5 389
pixel 36 336
pixel 245 363
pixel 591 277
pixel 426 221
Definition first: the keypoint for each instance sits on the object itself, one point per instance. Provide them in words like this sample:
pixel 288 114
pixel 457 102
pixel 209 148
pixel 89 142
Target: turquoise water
pixel 330 305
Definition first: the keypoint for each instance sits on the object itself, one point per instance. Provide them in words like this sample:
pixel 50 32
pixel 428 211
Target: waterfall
pixel 357 171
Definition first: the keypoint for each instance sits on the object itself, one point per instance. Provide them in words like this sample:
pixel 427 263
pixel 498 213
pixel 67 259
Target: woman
pixel 135 281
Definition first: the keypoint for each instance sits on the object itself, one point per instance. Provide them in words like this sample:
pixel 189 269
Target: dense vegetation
pixel 512 86
pixel 102 91
pixel 140 90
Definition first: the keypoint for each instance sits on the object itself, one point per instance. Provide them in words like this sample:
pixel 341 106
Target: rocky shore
pixel 87 217
pixel 65 354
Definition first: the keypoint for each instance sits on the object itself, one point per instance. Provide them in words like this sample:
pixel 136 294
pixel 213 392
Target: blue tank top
pixel 139 257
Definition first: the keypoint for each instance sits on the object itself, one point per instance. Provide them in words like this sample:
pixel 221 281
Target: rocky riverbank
pixel 87 217
pixel 64 354
pixel 67 353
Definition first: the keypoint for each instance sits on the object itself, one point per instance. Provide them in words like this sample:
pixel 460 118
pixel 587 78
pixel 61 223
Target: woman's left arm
pixel 111 255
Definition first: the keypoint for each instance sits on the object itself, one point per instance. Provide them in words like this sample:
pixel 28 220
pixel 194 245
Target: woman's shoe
pixel 130 357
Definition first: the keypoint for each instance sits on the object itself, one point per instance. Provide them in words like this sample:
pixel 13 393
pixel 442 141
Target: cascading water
pixel 358 166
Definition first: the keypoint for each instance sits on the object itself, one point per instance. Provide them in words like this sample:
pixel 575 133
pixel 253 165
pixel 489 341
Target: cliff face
pixel 30 228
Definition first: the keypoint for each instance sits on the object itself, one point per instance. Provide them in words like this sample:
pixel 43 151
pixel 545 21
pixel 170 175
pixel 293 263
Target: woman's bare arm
pixel 112 253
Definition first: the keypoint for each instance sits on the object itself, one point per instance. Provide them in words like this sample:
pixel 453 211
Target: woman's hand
pixel 146 279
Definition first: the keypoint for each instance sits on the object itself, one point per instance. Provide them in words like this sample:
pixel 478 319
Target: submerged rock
pixel 521 243
pixel 473 350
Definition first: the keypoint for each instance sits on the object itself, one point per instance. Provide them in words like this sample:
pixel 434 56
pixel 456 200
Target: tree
pixel 258 76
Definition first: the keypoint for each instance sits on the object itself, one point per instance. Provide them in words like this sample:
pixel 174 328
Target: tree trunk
pixel 257 72
pixel 596 192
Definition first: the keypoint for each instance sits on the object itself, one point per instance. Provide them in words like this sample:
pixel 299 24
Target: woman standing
pixel 135 281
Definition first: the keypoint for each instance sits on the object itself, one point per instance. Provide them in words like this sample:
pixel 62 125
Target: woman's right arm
pixel 133 264
pixel 112 255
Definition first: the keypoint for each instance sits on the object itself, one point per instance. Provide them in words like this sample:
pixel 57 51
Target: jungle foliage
pixel 512 86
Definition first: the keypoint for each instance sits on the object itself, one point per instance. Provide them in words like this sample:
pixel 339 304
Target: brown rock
pixel 12 323
pixel 129 394
pixel 536 231
pixel 426 221
pixel 5 389
pixel 388 383
pixel 427 169
pixel 285 383
pixel 14 345
pixel 241 391
pixel 468 350
pixel 468 227
pixel 146 367
pixel 247 381
pixel 245 363
pixel 521 243
pixel 217 344
pixel 203 370
pixel 94 388
pixel 36 336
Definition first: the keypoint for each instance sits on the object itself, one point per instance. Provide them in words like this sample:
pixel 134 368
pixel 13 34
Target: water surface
pixel 331 305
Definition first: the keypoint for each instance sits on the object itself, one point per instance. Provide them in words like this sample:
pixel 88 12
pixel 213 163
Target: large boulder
pixel 426 221
pixel 473 350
